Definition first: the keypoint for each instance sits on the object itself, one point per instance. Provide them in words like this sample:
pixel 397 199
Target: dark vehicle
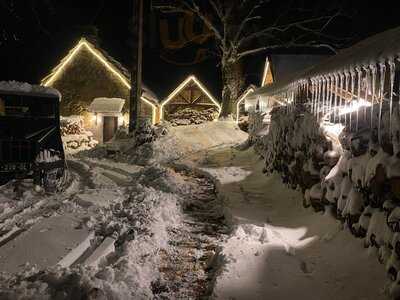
pixel 30 139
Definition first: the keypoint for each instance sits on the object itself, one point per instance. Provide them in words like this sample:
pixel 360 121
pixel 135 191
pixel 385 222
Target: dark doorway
pixel 110 125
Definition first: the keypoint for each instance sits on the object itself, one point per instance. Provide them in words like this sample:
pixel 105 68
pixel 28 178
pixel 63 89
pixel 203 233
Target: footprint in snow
pixel 305 268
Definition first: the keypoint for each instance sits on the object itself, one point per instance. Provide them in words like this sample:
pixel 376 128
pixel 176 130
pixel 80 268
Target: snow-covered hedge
pixel 350 174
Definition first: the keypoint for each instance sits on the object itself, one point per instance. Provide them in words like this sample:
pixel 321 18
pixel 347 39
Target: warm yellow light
pixel 103 60
pixel 240 100
pixel 266 67
pixel 153 107
pixel 99 56
pixel 182 86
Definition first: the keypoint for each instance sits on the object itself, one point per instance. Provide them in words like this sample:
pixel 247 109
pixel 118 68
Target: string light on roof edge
pixel 240 100
pixel 73 53
pixel 182 86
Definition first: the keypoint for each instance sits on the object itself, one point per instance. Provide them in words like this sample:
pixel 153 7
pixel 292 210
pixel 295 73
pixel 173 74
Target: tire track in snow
pixel 85 175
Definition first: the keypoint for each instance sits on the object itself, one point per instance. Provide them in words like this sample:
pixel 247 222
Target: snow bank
pixel 173 143
pixel 139 223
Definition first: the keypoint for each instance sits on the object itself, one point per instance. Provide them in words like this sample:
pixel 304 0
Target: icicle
pixel 392 68
pixel 359 77
pixel 367 79
pixel 311 100
pixel 353 76
pixel 332 93
pixel 286 97
pixel 328 96
pixel 382 68
pixel 373 70
pixel 340 94
pixel 323 96
pixel 336 98
pixel 320 84
pixel 316 98
pixel 346 88
pixel 313 96
pixel 294 96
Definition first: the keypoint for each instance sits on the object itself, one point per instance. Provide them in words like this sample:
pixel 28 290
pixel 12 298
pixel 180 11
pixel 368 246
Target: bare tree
pixel 238 28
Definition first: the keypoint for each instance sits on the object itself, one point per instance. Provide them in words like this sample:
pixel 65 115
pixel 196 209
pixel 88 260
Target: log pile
pixel 189 116
pixel 244 123
pixel 74 135
pixel 355 177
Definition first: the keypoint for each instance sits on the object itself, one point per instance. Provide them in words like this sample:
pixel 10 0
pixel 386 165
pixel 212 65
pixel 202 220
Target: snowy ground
pixel 278 249
pixel 157 226
pixel 171 233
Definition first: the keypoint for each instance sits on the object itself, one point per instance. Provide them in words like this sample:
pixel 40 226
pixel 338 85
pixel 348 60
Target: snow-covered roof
pixel 107 105
pixel 372 50
pixel 24 88
pixel 116 67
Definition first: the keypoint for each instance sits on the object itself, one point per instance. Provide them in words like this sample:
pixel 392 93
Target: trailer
pixel 30 138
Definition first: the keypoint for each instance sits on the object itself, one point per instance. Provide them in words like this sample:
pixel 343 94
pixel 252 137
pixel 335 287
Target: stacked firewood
pixel 354 176
pixel 188 116
pixel 68 127
pixel 74 135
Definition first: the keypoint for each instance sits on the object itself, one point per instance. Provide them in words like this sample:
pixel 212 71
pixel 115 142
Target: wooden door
pixel 110 126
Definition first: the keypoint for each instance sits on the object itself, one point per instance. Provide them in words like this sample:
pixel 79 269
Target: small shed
pixel 190 95
pixel 107 117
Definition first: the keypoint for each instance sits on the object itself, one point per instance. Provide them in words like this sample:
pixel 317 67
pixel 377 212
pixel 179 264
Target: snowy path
pixel 279 250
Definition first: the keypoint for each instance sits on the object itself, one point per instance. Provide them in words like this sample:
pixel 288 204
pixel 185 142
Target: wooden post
pixel 136 70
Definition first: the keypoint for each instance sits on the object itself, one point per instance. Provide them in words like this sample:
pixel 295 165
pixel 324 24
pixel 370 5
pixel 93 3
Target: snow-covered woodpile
pixel 348 174
pixel 188 116
pixel 243 123
pixel 74 136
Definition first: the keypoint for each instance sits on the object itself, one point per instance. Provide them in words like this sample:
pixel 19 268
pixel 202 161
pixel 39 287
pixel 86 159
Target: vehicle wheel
pixel 52 180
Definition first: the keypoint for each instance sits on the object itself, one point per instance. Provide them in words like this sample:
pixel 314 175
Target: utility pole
pixel 136 69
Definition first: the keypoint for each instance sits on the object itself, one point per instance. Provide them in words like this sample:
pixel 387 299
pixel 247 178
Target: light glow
pixel 94 118
pixel 181 87
pixel 354 106
pixel 48 80
pixel 333 129
pixel 266 67
pixel 153 107
pixel 250 90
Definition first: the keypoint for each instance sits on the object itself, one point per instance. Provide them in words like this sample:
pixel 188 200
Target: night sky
pixel 35 34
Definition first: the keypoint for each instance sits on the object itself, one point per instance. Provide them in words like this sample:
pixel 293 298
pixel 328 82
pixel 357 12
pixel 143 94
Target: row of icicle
pixel 327 93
